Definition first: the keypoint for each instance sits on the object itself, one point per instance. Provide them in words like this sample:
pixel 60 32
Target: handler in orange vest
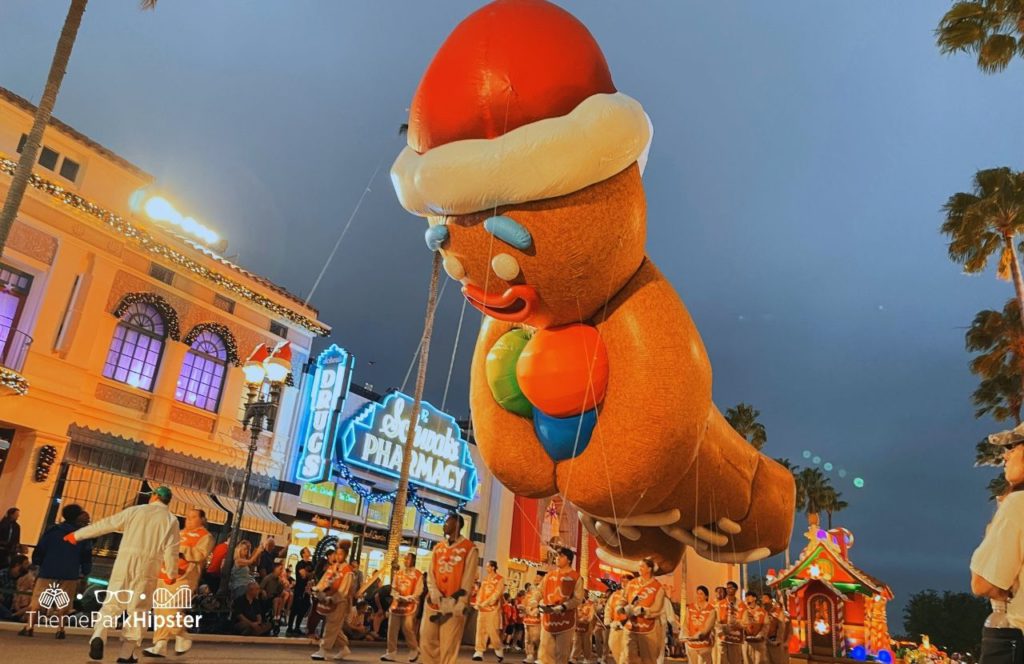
pixel 645 630
pixel 562 592
pixel 406 588
pixel 729 649
pixel 453 569
pixel 614 616
pixel 755 630
pixel 196 545
pixel 333 595
pixel 780 629
pixel 700 628
pixel 531 619
pixel 583 648
pixel 488 618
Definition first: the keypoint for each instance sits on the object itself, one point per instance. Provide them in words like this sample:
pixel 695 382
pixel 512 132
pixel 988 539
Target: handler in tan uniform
pixel 453 565
pixel 645 630
pixel 196 545
pixel 531 619
pixel 755 630
pixel 729 648
pixel 333 596
pixel 614 616
pixel 407 587
pixel 780 629
pixel 562 592
pixel 583 648
pixel 488 618
pixel 700 629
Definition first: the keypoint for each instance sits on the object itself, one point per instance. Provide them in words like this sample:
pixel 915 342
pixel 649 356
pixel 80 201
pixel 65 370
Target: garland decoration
pixel 47 455
pixel 170 316
pixel 370 495
pixel 151 244
pixel 222 331
pixel 13 381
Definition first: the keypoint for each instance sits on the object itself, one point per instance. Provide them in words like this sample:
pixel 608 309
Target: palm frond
pixel 996 52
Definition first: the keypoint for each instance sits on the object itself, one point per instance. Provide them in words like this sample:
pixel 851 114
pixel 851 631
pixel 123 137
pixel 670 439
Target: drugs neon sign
pixel 322 402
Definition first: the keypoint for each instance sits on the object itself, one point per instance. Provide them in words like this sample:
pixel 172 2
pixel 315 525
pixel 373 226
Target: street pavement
pixel 74 650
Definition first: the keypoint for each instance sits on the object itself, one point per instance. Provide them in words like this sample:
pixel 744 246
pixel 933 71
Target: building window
pixel 48 158
pixel 278 329
pixel 14 288
pixel 224 303
pixel 161 273
pixel 137 346
pixel 202 373
pixel 69 169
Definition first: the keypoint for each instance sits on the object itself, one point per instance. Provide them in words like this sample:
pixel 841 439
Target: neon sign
pixel 375 439
pixel 323 400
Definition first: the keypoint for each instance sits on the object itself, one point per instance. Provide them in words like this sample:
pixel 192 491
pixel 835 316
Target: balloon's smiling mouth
pixel 514 305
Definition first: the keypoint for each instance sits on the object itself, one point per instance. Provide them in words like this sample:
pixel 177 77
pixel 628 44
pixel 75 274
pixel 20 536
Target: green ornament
pixel 501 372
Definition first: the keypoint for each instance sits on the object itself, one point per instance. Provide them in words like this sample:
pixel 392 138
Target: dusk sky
pixel 801 157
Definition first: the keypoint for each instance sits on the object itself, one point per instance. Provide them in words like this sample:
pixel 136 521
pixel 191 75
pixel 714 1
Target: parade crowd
pixel 551 621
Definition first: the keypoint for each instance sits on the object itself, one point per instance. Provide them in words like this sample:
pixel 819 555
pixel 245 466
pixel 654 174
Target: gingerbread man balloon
pixel 589 378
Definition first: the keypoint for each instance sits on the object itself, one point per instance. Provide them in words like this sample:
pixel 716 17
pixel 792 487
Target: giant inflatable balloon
pixel 589 378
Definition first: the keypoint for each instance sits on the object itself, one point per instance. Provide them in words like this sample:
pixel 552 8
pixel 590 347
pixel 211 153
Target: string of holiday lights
pixel 373 496
pixel 47 455
pixel 168 313
pixel 221 331
pixel 13 381
pixel 151 244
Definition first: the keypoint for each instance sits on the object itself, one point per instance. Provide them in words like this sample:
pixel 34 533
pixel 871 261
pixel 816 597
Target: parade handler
pixel 614 614
pixel 334 594
pixel 450 578
pixel 151 538
pixel 488 619
pixel 407 588
pixel 583 648
pixel 644 604
pixel 700 627
pixel 531 620
pixel 562 592
pixel 196 546
pixel 755 630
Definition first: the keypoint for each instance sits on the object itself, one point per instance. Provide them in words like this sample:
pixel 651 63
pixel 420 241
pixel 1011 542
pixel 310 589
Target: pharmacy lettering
pixel 375 437
pixel 322 400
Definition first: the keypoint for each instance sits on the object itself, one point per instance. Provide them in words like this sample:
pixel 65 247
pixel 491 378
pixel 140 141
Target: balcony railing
pixel 14 350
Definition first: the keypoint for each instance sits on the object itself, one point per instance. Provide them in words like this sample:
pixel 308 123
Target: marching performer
pixel 531 619
pixel 583 649
pixel 780 630
pixel 645 629
pixel 700 629
pixel 333 595
pixel 407 587
pixel 453 565
pixel 614 615
pixel 600 633
pixel 730 632
pixel 488 619
pixel 151 537
pixel 196 545
pixel 755 630
pixel 562 592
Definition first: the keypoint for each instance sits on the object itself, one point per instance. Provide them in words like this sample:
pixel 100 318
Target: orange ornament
pixel 563 371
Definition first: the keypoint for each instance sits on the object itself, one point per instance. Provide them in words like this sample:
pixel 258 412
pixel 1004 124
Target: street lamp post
pixel 265 370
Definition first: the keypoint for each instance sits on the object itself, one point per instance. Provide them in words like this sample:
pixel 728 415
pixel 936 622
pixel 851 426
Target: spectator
pixel 267 557
pixel 273 588
pixel 9 584
pixel 62 565
pixel 212 575
pixel 10 537
pixel 241 573
pixel 301 601
pixel 23 592
pixel 205 606
pixel 247 612
pixel 357 627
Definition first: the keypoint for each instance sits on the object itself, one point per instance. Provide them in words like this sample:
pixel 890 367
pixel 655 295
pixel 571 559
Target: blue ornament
pixel 859 653
pixel 558 435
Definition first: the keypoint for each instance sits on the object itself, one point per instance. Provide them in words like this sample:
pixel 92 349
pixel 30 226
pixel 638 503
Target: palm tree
pixel 34 139
pixel 988 220
pixel 992 29
pixel 785 463
pixel 811 493
pixel 832 502
pixel 390 563
pixel 998 337
pixel 743 419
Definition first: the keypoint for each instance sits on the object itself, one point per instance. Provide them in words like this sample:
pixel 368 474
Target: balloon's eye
pixel 436 236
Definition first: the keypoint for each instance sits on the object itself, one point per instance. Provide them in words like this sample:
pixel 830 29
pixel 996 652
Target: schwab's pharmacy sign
pixel 321 403
pixel 375 439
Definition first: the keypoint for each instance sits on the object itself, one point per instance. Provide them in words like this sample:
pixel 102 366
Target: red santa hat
pixel 518 105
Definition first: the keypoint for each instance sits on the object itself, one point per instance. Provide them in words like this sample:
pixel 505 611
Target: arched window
pixel 202 372
pixel 137 346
